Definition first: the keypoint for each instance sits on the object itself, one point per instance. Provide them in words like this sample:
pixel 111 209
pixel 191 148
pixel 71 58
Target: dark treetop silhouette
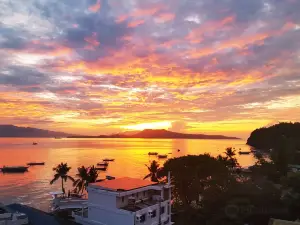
pixel 61 171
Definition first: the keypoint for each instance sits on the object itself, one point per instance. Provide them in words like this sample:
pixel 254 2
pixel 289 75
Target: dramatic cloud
pixel 215 66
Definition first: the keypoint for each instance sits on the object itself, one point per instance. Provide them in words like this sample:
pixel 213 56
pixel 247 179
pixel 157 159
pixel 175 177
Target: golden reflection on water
pixel 130 156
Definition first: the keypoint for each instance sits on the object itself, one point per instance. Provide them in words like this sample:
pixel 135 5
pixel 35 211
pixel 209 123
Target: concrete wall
pixel 149 220
pixel 103 199
pixel 110 217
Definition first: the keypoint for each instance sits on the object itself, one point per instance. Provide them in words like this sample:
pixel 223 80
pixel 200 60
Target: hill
pixel 149 133
pixel 268 137
pixel 14 131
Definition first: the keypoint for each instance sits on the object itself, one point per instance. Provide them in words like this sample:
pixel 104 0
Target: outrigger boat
pixel 14 169
pixel 35 163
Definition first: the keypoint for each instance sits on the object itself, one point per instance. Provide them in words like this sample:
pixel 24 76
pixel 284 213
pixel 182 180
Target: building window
pixel 153 214
pixel 144 193
pixel 162 210
pixel 143 218
pixel 168 209
pixel 137 195
pixel 122 199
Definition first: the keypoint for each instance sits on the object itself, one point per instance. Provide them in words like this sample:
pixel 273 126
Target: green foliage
pixel 191 175
pixel 205 186
pixel 268 137
pixel 85 176
pixel 229 159
pixel 154 171
pixel 61 171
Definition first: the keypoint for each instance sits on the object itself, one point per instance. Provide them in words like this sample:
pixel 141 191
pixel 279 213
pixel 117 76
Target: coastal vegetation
pixel 85 176
pixel 216 190
pixel 61 171
pixel 154 171
pixel 268 137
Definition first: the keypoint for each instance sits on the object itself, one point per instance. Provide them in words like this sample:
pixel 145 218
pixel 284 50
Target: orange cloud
pixel 165 17
pixel 196 36
pixel 136 23
pixel 238 43
pixel 121 18
pixel 96 7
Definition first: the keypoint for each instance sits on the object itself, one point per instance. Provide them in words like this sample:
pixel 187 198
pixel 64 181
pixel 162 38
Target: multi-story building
pixel 127 201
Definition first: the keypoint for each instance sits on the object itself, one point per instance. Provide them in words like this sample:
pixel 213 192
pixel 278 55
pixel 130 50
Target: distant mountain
pixel 148 133
pixel 14 131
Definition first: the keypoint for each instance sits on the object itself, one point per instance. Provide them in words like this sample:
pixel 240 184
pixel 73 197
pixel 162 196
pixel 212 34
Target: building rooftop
pixel 283 222
pixel 123 184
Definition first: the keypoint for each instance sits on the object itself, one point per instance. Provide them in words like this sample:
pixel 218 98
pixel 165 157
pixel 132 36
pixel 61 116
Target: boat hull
pixel 14 169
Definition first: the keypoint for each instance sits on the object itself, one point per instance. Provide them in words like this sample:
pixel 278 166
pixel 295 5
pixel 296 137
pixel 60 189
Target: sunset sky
pixel 104 66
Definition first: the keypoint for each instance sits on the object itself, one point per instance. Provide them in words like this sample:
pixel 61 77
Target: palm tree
pixel 93 175
pixel 81 183
pixel 230 153
pixel 153 171
pixel 85 176
pixel 61 172
pixel 230 157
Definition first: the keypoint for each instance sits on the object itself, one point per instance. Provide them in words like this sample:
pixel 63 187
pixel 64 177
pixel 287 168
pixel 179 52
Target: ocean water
pixel 131 155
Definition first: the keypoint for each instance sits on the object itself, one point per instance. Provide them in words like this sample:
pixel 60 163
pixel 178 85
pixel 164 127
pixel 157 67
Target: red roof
pixel 123 184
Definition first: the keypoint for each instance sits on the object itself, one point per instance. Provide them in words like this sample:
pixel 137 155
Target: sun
pixel 153 125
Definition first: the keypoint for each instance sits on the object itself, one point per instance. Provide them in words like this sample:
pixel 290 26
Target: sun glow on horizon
pixel 153 125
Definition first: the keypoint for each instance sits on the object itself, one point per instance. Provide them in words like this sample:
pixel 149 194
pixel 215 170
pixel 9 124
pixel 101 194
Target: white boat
pixel 8 217
pixel 126 201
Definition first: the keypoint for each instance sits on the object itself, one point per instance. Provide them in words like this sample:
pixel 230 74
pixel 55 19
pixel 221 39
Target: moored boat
pixel 110 178
pixel 152 153
pixel 102 164
pixel 108 160
pixel 244 153
pixel 162 156
pixel 14 169
pixel 35 163
pixel 101 168
pixel 34 143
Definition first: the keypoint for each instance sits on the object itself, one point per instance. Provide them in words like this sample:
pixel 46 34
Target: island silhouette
pixel 15 131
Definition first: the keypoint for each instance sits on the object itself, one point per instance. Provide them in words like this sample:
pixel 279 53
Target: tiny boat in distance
pixel 34 143
pixel 14 169
pixel 108 160
pixel 101 168
pixel 162 156
pixel 110 178
pixel 35 163
pixel 102 164
pixel 244 153
pixel 152 153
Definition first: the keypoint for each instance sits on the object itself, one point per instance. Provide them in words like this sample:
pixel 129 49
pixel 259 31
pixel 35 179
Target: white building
pixel 127 201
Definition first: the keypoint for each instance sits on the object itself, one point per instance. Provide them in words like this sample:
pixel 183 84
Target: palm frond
pixel 147 176
pixel 70 178
pixel 56 177
pixel 147 167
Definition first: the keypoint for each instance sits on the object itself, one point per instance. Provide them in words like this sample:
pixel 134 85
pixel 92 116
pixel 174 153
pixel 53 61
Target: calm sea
pixel 130 156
